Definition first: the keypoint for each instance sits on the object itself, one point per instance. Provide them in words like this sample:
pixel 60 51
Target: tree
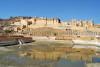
pixel 8 31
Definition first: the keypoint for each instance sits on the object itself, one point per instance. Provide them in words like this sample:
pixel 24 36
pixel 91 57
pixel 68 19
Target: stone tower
pixel 92 23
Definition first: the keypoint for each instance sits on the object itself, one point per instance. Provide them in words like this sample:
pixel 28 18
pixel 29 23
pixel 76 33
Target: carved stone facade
pixel 69 28
pixel 80 23
pixel 36 22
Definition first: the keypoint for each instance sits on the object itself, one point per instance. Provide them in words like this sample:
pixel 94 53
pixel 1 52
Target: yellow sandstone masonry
pixel 39 26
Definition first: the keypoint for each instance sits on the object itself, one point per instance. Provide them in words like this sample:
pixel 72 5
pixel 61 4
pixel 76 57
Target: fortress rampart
pixel 32 25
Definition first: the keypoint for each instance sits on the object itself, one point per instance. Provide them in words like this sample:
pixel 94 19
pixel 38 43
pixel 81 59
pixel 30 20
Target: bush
pixel 8 31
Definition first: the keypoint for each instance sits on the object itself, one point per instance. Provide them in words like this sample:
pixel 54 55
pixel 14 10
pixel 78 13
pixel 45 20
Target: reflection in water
pixel 16 59
pixel 56 53
pixel 64 56
pixel 50 56
pixel 95 59
pixel 69 63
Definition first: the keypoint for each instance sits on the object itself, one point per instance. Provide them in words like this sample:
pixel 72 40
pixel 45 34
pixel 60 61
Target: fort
pixel 36 22
pixel 39 26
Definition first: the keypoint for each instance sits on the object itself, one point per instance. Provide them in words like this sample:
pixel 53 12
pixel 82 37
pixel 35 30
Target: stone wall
pixel 77 23
pixel 37 22
pixel 53 26
pixel 46 31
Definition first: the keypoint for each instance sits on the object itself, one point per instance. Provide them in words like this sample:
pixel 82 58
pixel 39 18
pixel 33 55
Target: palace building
pixel 39 26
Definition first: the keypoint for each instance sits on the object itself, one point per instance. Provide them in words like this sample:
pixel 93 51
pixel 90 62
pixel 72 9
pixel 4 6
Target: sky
pixel 66 10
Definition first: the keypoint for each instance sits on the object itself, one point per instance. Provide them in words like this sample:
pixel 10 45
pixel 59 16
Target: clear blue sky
pixel 66 10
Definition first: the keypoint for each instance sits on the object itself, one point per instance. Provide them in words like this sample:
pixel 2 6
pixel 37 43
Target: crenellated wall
pixel 55 23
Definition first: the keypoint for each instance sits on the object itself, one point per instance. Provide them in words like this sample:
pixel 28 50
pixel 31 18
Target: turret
pixel 92 22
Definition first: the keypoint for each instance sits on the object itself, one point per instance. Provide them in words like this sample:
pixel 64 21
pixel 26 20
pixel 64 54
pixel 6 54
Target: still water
pixel 41 58
pixel 27 62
